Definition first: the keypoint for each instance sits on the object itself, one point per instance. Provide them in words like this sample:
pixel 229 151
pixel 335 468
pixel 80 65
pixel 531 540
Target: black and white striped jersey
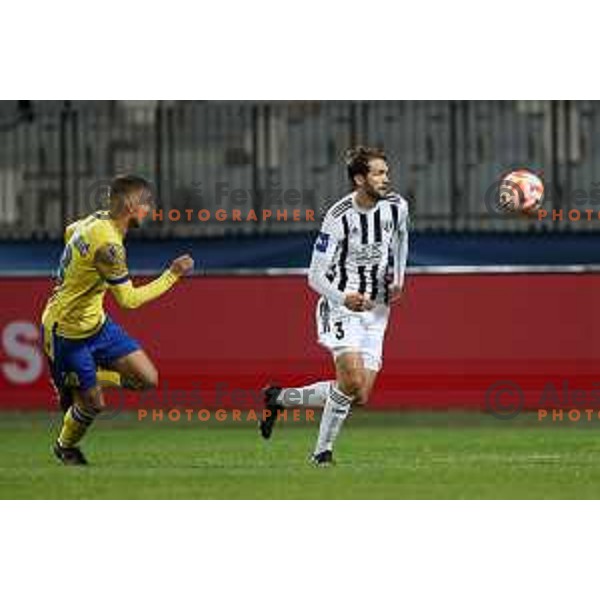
pixel 361 250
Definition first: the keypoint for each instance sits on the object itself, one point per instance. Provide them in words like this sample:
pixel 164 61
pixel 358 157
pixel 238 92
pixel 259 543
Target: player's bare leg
pixel 350 387
pixel 368 382
pixel 137 371
pixel 85 408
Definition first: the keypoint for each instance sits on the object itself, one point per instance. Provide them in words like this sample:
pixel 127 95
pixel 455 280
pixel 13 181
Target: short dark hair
pixel 357 160
pixel 124 185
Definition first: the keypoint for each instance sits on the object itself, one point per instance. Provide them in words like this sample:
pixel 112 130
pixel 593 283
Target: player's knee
pixel 92 400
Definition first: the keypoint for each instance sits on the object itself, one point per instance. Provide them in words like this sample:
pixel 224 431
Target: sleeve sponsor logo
pixel 322 242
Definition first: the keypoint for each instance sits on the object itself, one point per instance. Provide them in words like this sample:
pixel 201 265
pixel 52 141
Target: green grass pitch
pixel 379 455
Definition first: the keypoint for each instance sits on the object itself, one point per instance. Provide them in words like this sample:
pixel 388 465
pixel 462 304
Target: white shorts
pixel 341 330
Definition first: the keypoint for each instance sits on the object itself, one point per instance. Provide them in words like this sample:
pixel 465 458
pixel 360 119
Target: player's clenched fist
pixel 182 265
pixel 357 302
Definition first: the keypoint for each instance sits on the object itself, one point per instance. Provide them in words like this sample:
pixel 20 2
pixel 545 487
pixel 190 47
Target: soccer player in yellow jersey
pixel 79 337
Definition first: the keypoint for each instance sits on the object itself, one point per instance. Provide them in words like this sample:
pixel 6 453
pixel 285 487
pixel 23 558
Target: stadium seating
pixel 56 156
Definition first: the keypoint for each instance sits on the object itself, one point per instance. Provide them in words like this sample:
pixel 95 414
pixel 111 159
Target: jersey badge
pixel 322 242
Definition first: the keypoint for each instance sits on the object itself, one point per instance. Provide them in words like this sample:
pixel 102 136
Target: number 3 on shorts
pixel 339 330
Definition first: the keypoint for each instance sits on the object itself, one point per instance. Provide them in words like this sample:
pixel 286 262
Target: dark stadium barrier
pixel 57 157
pixel 453 338
pixel 293 251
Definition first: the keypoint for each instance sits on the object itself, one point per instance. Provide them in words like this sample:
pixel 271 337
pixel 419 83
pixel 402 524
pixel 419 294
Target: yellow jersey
pixel 93 261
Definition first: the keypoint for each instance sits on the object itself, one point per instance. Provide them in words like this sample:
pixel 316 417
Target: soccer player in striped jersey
pixel 357 267
pixel 84 346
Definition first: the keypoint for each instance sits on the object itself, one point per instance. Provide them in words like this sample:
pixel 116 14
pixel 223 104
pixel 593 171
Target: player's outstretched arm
pixel 110 260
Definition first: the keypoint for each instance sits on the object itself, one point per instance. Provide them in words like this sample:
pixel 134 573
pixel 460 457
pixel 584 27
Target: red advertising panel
pixel 451 338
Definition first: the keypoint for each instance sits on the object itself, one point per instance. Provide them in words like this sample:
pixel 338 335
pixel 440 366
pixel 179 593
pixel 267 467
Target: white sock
pixel 310 396
pixel 334 414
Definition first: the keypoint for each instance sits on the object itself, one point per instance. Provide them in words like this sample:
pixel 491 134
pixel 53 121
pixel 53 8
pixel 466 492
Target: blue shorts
pixel 82 357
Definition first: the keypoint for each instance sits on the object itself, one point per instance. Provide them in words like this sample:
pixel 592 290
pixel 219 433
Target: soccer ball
pixel 521 191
